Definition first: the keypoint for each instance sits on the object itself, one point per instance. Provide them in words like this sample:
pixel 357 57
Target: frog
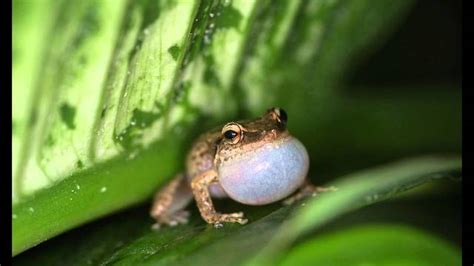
pixel 253 162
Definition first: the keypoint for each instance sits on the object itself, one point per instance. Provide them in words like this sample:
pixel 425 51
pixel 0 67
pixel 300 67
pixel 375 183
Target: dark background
pixel 425 49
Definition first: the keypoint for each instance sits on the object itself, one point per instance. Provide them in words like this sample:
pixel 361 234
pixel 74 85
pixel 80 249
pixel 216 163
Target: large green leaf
pixel 113 92
pixel 361 189
pixel 128 239
pixel 380 244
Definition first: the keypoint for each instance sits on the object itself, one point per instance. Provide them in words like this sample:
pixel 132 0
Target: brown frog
pixel 253 162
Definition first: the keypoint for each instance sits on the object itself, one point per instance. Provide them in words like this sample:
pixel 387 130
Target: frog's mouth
pixel 266 174
pixel 252 143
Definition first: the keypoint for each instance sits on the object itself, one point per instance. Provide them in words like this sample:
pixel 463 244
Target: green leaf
pixel 380 244
pixel 355 191
pixel 128 239
pixel 68 203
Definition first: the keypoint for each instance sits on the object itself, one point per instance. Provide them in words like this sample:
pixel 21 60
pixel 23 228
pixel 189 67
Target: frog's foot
pixel 200 186
pixel 174 219
pixel 218 218
pixel 167 207
pixel 307 190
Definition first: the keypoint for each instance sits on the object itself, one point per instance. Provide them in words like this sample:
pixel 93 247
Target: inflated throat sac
pixel 267 174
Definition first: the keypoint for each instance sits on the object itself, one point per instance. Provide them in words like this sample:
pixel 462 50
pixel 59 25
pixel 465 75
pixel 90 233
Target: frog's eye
pixel 279 115
pixel 232 132
pixel 282 116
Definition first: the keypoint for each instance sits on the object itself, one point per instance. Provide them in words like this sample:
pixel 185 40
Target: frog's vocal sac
pixel 253 162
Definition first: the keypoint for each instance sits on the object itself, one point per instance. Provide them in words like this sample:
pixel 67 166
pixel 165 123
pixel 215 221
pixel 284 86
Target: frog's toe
pixel 237 217
pixel 181 217
pixel 174 219
pixel 308 191
pixel 242 221
pixel 289 201
pixel 325 189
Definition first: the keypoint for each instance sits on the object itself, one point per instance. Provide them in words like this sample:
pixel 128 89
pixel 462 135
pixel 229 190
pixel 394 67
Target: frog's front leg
pixel 307 189
pixel 200 186
pixel 169 203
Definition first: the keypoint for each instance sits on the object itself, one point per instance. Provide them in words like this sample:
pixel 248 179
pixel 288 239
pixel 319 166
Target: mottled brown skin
pixel 202 162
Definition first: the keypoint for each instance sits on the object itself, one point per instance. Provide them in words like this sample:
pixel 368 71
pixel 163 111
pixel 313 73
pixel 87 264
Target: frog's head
pixel 245 135
pixel 257 152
